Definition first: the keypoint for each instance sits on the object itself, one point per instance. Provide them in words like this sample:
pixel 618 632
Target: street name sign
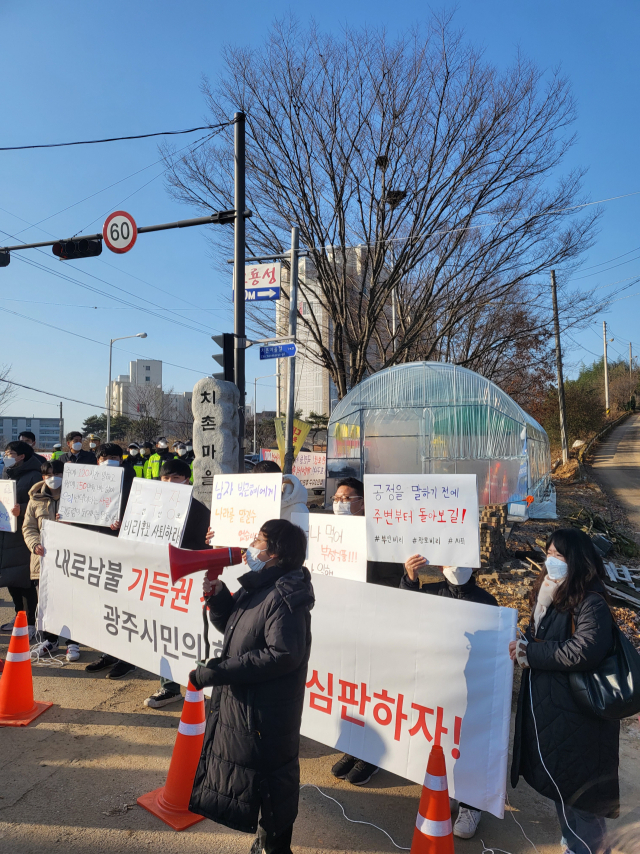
pixel 258 294
pixel 262 281
pixel 278 351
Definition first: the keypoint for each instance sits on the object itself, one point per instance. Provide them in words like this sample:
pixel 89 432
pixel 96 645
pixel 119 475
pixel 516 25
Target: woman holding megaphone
pixel 248 777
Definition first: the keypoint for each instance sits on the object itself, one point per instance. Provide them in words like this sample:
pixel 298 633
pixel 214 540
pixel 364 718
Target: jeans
pixel 168 685
pixel 590 828
pixel 276 845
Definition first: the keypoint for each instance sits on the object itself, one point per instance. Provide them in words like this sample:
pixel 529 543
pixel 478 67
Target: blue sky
pixel 81 71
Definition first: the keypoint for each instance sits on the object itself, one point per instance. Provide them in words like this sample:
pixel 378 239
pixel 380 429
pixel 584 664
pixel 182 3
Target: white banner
pixel 336 545
pixel 8 522
pixel 309 467
pixel 241 504
pixel 435 515
pixel 391 671
pixel 156 512
pixel 91 494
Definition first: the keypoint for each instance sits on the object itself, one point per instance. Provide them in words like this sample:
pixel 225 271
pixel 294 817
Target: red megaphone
pixel 185 562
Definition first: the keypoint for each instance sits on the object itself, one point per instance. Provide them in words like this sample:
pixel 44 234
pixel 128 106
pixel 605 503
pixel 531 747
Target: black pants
pixel 279 845
pixel 25 599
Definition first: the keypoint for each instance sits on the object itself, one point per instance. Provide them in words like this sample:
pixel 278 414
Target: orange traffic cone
pixel 434 833
pixel 17 706
pixel 171 801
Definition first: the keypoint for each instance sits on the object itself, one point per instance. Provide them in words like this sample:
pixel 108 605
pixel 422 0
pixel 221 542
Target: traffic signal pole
pixel 293 323
pixel 238 277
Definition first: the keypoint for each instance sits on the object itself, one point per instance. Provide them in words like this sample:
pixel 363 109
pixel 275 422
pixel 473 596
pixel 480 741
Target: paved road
pixel 616 467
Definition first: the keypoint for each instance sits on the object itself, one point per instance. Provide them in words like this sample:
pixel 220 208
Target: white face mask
pixel 342 508
pixel 9 461
pixel 109 462
pixel 457 575
pixel 77 446
pixel 133 452
pixel 182 451
pixel 253 561
pixel 556 568
pixel 92 445
pixel 53 481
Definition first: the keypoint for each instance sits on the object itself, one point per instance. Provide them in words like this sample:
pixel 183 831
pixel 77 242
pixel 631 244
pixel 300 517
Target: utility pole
pixel 238 276
pixel 293 323
pixel 630 372
pixel 61 430
pixel 393 319
pixel 606 368
pixel 561 406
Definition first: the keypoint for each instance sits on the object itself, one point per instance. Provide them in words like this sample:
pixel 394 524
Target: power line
pixel 51 394
pixel 104 307
pixel 115 138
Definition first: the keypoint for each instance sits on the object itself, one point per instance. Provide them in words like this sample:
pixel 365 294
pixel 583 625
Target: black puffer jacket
pixel 470 591
pixel 580 752
pixel 15 557
pixel 249 762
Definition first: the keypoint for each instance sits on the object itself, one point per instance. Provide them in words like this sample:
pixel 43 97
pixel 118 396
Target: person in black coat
pixel 75 454
pixel 560 751
pixel 459 583
pixel 22 466
pixel 249 766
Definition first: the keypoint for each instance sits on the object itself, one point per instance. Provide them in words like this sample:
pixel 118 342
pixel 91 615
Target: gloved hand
pixel 204 676
pixel 521 653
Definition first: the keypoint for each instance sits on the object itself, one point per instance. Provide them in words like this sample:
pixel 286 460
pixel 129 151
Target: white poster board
pixel 309 467
pixel 391 672
pixel 8 522
pixel 91 494
pixel 336 545
pixel 434 515
pixel 156 512
pixel 241 504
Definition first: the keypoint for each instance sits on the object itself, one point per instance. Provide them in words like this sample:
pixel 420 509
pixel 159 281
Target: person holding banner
pixel 459 583
pixel 562 752
pixel 248 777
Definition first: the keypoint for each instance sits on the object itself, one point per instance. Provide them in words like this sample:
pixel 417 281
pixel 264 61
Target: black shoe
pixel 343 766
pixel 361 773
pixel 103 662
pixel 120 669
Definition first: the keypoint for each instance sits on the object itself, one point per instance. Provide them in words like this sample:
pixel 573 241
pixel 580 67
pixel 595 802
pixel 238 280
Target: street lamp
pixel 109 396
pixel 255 408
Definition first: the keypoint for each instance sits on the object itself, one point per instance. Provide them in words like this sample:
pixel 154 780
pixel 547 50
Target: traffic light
pixel 67 250
pixel 226 358
pixel 5 257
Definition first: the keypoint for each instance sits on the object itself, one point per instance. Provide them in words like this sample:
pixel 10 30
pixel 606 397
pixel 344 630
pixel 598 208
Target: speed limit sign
pixel 119 231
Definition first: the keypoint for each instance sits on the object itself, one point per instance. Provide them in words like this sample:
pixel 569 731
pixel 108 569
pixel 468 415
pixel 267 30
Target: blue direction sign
pixel 257 294
pixel 278 351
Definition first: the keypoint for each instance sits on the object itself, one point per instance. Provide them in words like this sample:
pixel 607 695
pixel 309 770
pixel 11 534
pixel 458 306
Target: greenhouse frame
pixel 438 418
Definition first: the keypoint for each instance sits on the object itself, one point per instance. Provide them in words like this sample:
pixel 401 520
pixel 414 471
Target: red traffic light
pixel 67 250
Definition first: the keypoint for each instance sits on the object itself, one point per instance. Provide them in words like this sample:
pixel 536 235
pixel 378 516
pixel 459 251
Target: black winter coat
pixel 249 763
pixel 84 458
pixel 580 752
pixel 15 557
pixel 470 591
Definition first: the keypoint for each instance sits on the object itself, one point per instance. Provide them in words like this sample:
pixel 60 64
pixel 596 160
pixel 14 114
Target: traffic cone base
pixel 17 706
pixel 25 718
pixel 433 832
pixel 175 818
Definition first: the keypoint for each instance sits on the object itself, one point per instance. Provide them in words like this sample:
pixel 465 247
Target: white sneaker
pixel 466 823
pixel 73 652
pixel 8 627
pixel 45 648
pixel 32 632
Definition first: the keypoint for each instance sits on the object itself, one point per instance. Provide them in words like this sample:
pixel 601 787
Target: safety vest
pixel 153 465
pixel 138 467
pixel 56 455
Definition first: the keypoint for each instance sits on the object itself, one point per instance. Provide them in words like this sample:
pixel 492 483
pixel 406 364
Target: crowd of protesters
pixel 564 754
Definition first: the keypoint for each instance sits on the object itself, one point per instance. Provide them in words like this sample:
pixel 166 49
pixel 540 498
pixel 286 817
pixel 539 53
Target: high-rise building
pixel 46 430
pixel 139 394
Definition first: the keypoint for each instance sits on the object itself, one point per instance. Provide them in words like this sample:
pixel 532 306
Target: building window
pixel 147 379
pixel 147 367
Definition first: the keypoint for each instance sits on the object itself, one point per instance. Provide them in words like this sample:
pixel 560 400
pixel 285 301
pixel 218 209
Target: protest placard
pixel 241 504
pixel 336 545
pixel 8 522
pixel 156 512
pixel 91 494
pixel 434 515
pixel 391 672
pixel 309 467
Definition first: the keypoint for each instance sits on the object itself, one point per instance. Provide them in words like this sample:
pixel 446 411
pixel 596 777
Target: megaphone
pixel 185 562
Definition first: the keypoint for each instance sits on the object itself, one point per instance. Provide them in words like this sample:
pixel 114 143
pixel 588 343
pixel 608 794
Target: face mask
pixel 134 452
pixel 182 451
pixel 77 446
pixel 145 452
pixel 162 445
pixel 253 561
pixel 91 445
pixel 109 462
pixel 53 482
pixel 457 575
pixel 342 508
pixel 9 461
pixel 556 568
pixel 189 447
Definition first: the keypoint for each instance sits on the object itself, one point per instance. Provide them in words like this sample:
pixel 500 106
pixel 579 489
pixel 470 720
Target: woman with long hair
pixel 563 753
pixel 249 769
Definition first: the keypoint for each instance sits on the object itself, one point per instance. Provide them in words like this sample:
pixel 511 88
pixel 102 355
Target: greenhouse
pixel 432 417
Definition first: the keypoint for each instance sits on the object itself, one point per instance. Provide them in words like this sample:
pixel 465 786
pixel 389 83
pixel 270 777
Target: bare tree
pixel 416 172
pixel 155 411
pixel 7 391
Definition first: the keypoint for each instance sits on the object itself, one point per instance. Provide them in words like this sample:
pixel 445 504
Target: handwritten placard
pixel 91 495
pixel 336 545
pixel 8 522
pixel 156 511
pixel 435 515
pixel 241 504
pixel 309 467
